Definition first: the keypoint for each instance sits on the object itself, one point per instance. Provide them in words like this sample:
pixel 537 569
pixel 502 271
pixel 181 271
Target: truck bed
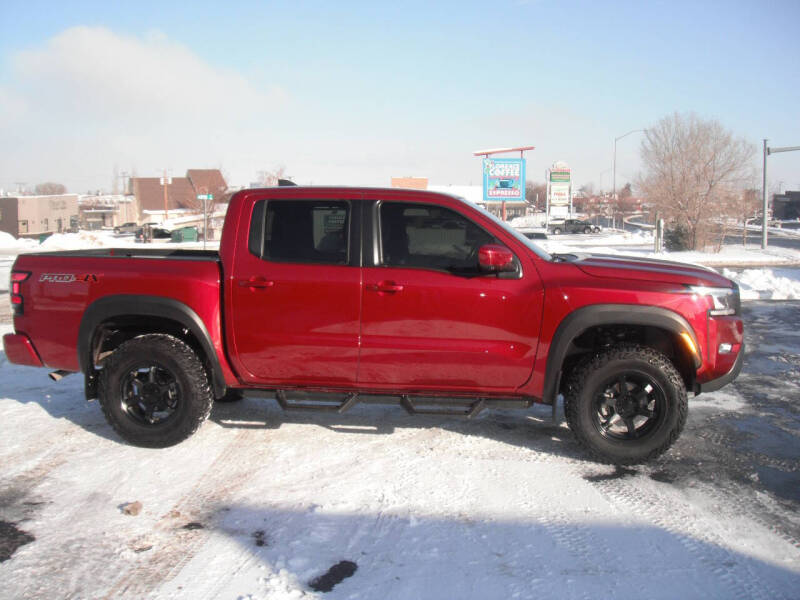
pixel 62 286
pixel 177 253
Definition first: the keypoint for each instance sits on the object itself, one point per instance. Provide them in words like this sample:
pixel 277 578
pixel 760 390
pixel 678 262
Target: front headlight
pixel 726 300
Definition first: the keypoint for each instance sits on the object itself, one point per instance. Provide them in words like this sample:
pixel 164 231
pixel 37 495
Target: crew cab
pixel 334 296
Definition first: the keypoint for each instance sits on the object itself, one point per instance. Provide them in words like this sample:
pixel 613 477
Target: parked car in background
pixel 126 228
pixel 147 233
pixel 573 226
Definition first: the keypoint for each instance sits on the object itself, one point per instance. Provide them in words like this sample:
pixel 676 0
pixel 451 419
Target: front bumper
pixel 719 382
pixel 19 350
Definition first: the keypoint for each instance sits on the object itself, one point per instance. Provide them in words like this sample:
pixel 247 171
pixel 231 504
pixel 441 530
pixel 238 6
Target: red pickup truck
pixel 334 296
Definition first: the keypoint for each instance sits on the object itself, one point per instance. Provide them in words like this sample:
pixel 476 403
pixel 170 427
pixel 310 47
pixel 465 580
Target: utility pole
pixel 763 199
pixel 205 215
pixel 165 181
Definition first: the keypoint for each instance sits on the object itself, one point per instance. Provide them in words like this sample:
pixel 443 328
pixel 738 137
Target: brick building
pixel 151 198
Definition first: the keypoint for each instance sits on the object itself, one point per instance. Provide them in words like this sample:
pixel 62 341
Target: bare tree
pixel 692 167
pixel 743 207
pixel 270 178
pixel 536 195
pixel 50 189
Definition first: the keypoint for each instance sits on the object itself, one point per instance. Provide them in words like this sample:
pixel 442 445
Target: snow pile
pixel 529 221
pixel 735 255
pixel 9 242
pixel 78 241
pixel 764 284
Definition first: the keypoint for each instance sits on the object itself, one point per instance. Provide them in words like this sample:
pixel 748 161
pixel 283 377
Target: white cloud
pixel 98 73
pixel 90 98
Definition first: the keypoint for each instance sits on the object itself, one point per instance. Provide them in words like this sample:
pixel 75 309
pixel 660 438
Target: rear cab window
pixel 301 231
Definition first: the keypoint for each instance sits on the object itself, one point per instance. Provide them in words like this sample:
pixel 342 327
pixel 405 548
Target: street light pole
pixel 764 220
pixel 614 164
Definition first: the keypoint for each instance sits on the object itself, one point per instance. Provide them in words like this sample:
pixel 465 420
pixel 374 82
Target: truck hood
pixel 648 269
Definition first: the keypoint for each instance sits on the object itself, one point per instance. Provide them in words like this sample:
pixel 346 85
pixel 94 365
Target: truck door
pixel 295 294
pixel 431 319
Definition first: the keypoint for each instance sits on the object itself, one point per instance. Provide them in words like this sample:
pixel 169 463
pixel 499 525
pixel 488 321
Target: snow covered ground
pixel 377 504
pixel 265 504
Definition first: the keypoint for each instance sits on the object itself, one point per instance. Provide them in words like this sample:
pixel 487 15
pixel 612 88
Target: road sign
pixel 205 196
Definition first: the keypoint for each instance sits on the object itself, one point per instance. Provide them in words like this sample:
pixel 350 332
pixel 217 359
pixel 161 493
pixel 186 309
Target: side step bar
pixel 317 405
pixel 422 406
pixel 414 405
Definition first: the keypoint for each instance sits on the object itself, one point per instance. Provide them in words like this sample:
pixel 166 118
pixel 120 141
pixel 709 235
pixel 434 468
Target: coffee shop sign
pixel 503 179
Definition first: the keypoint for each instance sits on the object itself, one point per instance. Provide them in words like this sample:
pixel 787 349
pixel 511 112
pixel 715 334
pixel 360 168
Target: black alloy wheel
pixel 629 406
pixel 150 394
pixel 154 390
pixel 626 403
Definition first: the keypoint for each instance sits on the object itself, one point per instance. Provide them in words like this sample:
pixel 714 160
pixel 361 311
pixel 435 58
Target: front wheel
pixel 154 391
pixel 626 404
pixel 556 230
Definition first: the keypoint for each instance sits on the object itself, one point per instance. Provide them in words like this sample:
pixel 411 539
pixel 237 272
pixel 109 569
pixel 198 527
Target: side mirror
pixel 494 258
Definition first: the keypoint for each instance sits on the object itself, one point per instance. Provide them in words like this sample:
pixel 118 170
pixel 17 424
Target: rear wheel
pixel 627 404
pixel 154 391
pixel 556 230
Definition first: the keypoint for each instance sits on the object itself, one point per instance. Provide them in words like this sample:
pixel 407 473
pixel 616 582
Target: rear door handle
pixel 386 287
pixel 256 283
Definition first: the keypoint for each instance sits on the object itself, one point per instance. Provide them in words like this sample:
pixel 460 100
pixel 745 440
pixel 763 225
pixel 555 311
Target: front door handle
pixel 385 287
pixel 256 283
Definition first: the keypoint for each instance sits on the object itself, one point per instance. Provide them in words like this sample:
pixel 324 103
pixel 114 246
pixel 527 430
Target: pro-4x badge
pixel 68 277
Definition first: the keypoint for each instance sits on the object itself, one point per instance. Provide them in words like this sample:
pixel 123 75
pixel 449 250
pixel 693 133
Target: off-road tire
pixel 588 387
pixel 231 395
pixel 172 357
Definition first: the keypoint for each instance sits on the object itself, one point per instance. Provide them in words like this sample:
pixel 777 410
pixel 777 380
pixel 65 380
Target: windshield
pixel 517 235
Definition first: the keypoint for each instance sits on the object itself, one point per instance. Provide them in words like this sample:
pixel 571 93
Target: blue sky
pixel 356 92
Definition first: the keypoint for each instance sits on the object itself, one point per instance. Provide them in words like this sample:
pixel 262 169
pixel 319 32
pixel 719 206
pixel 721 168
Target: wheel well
pixel 602 336
pixel 113 332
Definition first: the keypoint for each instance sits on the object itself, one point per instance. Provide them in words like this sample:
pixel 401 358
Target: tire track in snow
pixel 627 494
pixel 175 547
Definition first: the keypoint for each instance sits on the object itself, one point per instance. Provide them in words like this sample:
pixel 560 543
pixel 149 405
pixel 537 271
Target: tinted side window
pixel 429 237
pixel 301 231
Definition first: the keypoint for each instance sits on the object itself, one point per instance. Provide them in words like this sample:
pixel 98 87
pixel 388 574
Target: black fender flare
pixel 583 318
pixel 123 305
